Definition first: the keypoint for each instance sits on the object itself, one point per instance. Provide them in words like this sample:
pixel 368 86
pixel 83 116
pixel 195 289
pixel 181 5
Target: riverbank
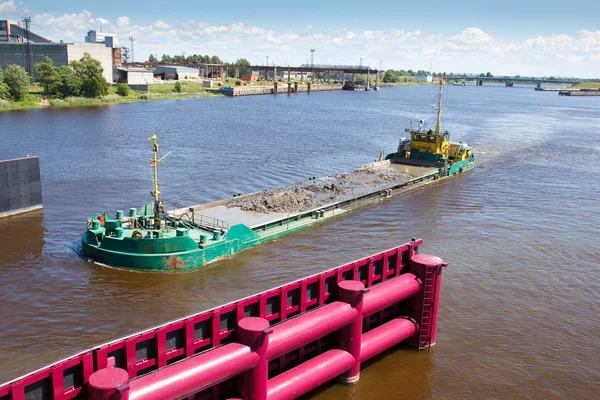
pixel 36 99
pixel 163 91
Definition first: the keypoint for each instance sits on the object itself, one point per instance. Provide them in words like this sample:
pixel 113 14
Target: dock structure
pixel 321 73
pixel 278 88
pixel 20 186
pixel 580 92
pixel 277 344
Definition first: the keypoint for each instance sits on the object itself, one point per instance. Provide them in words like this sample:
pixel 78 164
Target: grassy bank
pixel 36 99
pixel 587 85
pixel 164 91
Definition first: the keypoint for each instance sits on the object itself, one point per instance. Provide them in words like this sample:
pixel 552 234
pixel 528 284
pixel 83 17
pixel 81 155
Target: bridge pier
pixel 509 84
pixel 479 82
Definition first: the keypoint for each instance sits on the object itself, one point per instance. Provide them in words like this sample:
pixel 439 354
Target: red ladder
pixel 426 325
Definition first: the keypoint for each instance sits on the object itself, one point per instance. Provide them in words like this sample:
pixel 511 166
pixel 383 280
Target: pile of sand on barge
pixel 314 193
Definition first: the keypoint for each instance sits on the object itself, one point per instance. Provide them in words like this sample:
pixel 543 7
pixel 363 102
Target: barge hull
pixel 256 229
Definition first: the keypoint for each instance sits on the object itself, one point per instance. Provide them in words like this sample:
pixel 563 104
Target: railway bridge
pixel 509 81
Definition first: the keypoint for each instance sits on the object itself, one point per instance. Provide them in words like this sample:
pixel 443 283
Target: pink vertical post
pixel 424 307
pixel 104 384
pixel 349 337
pixel 254 333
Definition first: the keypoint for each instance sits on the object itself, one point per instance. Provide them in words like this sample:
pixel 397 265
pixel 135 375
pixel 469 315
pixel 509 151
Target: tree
pixel 206 59
pixel 70 83
pixel 482 75
pixel 244 66
pixel 518 76
pixel 4 93
pixel 390 76
pixel 17 81
pixel 489 75
pixel 123 89
pixel 90 71
pixel 178 87
pixel 216 60
pixel 49 77
pixel 152 58
pixel 166 58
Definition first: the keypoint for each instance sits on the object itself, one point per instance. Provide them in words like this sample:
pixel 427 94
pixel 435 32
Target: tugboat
pixel 152 240
pixel 432 148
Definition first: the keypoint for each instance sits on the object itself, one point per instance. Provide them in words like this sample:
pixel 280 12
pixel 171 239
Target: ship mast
pixel 439 108
pixel 155 160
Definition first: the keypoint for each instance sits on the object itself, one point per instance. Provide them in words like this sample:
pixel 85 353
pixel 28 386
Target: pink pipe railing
pixel 386 336
pixel 179 380
pixel 322 341
pixel 391 292
pixel 344 317
pixel 309 375
pixel 290 335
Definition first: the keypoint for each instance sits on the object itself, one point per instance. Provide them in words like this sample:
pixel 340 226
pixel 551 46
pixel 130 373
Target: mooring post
pixel 254 332
pixel 274 87
pixel 109 384
pixel 308 87
pixel 295 87
pixel 423 307
pixel 289 88
pixel 349 337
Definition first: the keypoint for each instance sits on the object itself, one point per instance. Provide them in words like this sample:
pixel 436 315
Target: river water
pixel 520 309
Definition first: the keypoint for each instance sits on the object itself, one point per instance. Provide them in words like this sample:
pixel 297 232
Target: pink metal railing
pixel 344 316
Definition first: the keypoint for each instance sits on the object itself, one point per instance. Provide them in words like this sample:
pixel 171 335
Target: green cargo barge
pixel 189 238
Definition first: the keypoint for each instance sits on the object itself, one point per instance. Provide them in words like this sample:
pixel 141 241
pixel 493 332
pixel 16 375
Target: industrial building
pixel 424 78
pixel 175 72
pixel 134 76
pixel 109 39
pixel 20 46
pixel 60 53
pixel 11 32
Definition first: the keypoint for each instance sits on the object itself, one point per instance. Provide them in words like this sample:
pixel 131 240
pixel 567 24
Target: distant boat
pixel 352 86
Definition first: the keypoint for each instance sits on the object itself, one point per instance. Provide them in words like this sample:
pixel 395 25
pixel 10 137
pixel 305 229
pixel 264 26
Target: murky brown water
pixel 520 306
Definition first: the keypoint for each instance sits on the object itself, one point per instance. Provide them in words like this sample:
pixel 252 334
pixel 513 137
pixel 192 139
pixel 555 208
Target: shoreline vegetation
pixel 189 89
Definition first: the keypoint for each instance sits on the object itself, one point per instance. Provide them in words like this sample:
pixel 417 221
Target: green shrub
pixel 17 81
pixel 123 89
pixel 178 87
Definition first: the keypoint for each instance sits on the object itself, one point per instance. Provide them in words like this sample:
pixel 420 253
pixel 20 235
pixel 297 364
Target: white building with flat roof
pixel 109 39
pixel 424 78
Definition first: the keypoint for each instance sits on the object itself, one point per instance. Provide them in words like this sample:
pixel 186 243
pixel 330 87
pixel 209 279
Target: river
pixel 519 315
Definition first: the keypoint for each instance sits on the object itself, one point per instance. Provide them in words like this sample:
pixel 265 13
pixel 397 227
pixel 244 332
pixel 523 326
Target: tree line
pixel 194 58
pixel 393 76
pixel 81 77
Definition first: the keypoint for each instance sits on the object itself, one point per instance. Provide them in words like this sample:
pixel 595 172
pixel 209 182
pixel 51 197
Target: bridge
pixel 319 72
pixel 509 81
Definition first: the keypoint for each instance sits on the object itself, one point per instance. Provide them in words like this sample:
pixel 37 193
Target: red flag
pixel 151 165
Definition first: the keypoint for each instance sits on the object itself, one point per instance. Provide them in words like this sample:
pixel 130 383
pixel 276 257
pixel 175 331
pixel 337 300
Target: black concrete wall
pixel 20 185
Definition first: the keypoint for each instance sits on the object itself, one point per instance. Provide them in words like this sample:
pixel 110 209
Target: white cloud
pixel 8 6
pixel 470 50
pixel 123 22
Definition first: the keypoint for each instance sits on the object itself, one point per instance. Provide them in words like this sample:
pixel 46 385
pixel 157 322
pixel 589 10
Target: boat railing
pixel 210 222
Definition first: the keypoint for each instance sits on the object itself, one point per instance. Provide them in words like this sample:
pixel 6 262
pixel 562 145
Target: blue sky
pixel 527 37
pixel 508 18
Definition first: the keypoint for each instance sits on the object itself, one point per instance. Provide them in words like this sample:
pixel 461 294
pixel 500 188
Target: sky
pixel 526 37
